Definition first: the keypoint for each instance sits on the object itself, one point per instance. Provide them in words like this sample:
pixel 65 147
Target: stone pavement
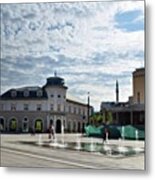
pixel 61 158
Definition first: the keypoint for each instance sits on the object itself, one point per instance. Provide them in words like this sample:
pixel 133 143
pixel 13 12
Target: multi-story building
pixel 138 86
pixel 133 111
pixel 29 109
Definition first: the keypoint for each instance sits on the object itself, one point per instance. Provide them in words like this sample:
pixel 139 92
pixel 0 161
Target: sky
pixel 89 44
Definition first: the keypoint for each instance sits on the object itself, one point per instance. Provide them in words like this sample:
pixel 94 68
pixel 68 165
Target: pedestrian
pixel 51 132
pixel 103 135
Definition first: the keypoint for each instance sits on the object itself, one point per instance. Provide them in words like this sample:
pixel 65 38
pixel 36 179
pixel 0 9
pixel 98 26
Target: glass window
pixel 26 107
pixel 59 107
pixel 69 109
pixel 39 93
pixel 59 96
pixel 26 93
pixel 13 93
pixel 1 107
pixel 52 95
pixel 74 110
pixel 13 107
pixel 52 107
pixel 138 97
pixel 38 107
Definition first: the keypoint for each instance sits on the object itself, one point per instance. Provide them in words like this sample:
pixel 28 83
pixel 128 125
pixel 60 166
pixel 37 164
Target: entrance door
pixel 25 125
pixel 58 126
pixel 79 127
pixel 38 125
pixel 13 125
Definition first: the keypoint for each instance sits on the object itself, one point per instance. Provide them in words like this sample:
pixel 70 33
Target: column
pixel 54 121
pixel 62 125
pixel 131 117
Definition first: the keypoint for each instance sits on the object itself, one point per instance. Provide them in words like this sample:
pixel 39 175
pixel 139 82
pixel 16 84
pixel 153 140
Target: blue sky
pixel 90 45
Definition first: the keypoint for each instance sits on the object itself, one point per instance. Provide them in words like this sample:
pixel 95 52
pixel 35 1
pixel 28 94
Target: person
pixel 51 132
pixel 103 135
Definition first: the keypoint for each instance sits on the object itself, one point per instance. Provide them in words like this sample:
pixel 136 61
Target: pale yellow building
pixel 138 86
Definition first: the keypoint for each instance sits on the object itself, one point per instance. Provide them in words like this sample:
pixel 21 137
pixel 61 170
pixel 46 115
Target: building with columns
pixel 34 109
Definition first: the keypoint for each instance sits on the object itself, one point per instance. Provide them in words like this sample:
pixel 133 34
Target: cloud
pixel 90 44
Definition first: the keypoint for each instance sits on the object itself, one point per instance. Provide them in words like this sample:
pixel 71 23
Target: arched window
pixel 39 93
pixel 2 125
pixel 13 93
pixel 25 127
pixel 38 125
pixel 13 125
pixel 26 93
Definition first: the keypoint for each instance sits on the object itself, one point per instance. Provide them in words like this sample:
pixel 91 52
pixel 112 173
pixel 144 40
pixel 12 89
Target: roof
pixel 55 81
pixel 78 103
pixel 25 93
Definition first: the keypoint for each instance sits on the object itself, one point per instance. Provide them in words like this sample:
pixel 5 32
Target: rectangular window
pixel 59 107
pixel 38 107
pixel 26 107
pixel 52 107
pixel 79 111
pixel 13 107
pixel 138 97
pixel 1 107
pixel 69 109
pixel 74 110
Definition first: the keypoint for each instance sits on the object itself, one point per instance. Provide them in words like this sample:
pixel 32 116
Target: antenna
pixel 55 73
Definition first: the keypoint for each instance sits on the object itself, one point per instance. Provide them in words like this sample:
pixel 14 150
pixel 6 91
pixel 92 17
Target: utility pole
pixel 88 108
pixel 117 92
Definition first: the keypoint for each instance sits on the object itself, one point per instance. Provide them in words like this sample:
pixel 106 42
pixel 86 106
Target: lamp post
pixel 88 108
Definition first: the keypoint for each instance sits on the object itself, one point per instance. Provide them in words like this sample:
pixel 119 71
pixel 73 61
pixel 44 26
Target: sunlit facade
pixel 33 109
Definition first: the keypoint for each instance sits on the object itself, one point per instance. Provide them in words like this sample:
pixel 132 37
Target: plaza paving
pixel 14 153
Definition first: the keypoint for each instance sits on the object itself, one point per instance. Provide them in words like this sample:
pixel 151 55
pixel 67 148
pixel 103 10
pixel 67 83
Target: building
pixel 133 111
pixel 138 86
pixel 29 109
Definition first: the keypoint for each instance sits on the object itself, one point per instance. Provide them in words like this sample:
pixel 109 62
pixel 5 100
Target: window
pixel 26 93
pixel 52 95
pixel 13 93
pixel 13 107
pixel 39 93
pixel 25 119
pixel 138 97
pixel 69 109
pixel 26 107
pixel 52 107
pixel 59 96
pixel 79 111
pixel 59 107
pixel 38 107
pixel 1 107
pixel 74 110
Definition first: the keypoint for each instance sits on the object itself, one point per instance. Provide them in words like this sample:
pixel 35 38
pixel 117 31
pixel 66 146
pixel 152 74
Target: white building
pixel 29 109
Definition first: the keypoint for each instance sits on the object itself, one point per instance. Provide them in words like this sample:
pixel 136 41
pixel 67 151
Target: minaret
pixel 117 92
pixel 55 73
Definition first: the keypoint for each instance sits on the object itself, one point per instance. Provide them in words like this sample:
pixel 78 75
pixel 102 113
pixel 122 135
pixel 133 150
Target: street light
pixel 88 107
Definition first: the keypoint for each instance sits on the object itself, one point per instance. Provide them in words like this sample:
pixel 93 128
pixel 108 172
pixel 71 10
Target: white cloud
pixel 83 34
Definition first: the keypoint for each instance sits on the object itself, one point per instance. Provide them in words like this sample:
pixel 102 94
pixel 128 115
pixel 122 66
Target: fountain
pixel 55 142
pixel 137 149
pixel 78 142
pixel 121 148
pixel 123 133
pixel 40 139
pixel 107 137
pixel 92 147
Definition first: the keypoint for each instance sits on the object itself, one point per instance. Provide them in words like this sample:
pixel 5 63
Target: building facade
pixel 34 109
pixel 139 86
pixel 133 111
